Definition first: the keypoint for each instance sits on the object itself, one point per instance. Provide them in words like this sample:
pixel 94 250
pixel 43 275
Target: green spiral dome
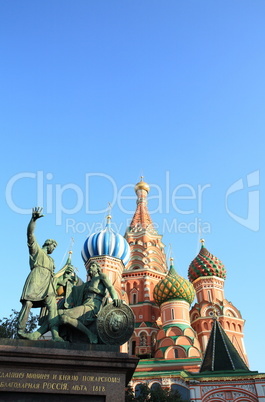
pixel 206 264
pixel 173 287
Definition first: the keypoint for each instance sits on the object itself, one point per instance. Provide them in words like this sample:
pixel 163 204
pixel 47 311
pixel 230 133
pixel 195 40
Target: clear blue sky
pixel 95 94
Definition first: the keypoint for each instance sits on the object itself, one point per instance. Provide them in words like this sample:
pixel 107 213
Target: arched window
pixel 138 390
pixel 134 298
pixel 180 392
pixel 155 386
pixel 209 295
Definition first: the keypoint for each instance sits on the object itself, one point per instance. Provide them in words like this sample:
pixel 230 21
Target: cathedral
pixel 197 347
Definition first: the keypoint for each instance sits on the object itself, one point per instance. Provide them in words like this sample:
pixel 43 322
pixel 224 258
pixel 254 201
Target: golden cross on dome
pixel 71 245
pixel 109 212
pixel 171 259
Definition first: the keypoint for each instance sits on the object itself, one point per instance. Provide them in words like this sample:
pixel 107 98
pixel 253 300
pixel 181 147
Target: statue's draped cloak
pixel 74 295
pixel 39 283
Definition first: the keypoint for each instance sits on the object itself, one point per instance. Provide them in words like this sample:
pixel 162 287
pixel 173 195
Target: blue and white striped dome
pixel 106 242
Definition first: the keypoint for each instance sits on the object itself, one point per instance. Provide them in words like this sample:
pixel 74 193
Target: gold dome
pixel 142 185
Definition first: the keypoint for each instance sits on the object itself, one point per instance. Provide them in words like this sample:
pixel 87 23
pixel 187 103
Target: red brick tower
pixel 207 273
pixel 144 270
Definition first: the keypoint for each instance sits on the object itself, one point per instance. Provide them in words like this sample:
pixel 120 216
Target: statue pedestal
pixel 56 371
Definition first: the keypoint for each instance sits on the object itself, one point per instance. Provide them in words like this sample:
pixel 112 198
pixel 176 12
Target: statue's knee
pixel 64 319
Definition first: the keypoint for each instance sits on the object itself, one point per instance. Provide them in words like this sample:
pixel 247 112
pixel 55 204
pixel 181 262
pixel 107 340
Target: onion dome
pixel 106 242
pixel 206 264
pixel 142 185
pixel 173 287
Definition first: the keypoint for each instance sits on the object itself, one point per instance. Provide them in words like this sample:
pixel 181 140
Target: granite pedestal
pixel 56 371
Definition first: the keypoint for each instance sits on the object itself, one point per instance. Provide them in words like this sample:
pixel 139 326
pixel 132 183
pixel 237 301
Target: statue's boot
pixel 54 324
pixel 23 318
pixel 22 335
pixel 36 334
pixel 33 336
pixel 91 335
pixel 93 338
pixel 55 335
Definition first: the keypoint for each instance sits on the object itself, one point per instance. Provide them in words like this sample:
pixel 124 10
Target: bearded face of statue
pixel 93 269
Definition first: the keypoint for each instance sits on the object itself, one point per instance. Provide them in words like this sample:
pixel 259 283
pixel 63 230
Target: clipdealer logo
pixel 249 193
pixel 184 199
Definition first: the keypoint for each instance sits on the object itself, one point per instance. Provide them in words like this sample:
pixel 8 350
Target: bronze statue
pixel 88 302
pixel 81 314
pixel 39 288
pixel 83 304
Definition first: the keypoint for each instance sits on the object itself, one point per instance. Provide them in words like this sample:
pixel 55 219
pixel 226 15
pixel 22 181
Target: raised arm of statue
pixel 36 214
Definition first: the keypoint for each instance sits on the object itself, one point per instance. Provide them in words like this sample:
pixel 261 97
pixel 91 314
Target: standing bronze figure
pixel 39 288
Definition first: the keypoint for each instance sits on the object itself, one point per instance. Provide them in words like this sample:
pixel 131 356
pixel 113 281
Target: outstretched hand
pixel 70 269
pixel 117 302
pixel 37 213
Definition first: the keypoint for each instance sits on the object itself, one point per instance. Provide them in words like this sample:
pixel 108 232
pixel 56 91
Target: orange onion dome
pixel 173 287
pixel 206 264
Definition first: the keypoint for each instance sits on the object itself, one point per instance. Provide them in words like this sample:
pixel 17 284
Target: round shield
pixel 115 325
